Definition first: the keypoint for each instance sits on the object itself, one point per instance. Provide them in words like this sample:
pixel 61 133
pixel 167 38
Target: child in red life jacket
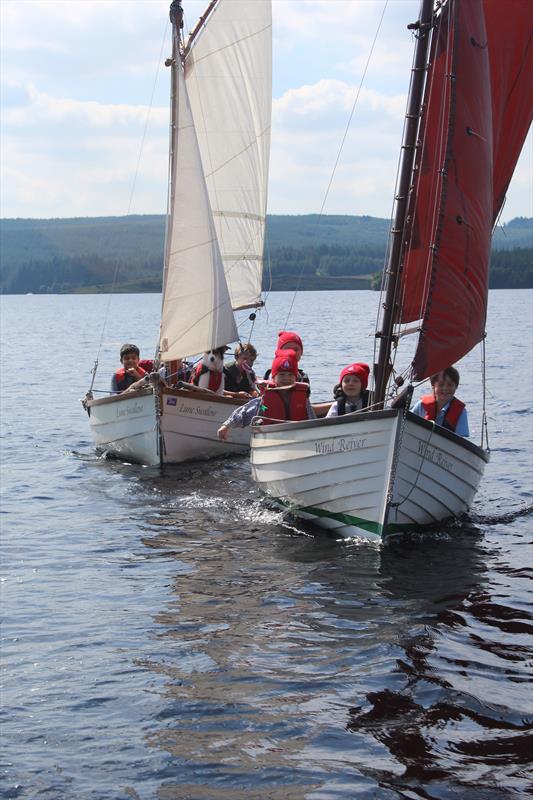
pixel 351 393
pixel 289 340
pixel 283 399
pixel 442 406
pixel 130 371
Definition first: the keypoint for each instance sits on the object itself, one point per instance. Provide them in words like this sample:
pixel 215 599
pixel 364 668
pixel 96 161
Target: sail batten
pixel 463 167
pixel 239 215
pixel 228 71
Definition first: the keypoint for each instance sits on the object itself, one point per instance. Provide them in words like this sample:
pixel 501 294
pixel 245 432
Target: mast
pixel 393 267
pixel 176 19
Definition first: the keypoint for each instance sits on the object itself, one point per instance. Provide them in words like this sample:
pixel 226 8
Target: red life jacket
pixel 146 364
pixel 451 417
pixel 284 404
pixel 215 378
pixel 123 380
pixel 262 387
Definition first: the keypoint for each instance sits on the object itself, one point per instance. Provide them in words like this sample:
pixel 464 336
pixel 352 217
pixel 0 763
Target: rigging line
pixel 399 298
pixel 399 294
pixel 497 220
pixel 440 147
pixel 339 153
pixel 174 116
pixel 484 418
pixel 133 187
pixel 268 290
pixel 384 276
pixel 382 288
pixel 422 460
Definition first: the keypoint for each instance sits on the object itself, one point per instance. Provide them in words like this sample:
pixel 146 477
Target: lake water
pixel 170 636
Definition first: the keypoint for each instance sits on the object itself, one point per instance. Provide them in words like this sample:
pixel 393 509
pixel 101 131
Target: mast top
pixel 176 13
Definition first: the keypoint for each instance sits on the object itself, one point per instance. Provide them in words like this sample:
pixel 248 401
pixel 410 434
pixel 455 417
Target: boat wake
pixel 501 519
pixel 253 510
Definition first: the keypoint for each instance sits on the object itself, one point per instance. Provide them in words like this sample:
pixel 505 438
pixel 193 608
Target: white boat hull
pixel 126 426
pixel 370 474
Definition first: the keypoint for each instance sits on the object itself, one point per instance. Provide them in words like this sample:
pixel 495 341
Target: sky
pixel 84 107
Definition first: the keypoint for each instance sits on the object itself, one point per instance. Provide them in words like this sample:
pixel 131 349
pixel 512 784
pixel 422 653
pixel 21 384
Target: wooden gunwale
pixel 194 394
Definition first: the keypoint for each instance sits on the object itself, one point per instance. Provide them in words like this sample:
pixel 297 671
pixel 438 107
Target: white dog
pixel 210 371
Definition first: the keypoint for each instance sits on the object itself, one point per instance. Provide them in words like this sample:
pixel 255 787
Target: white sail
pixel 196 314
pixel 229 79
pixel 156 424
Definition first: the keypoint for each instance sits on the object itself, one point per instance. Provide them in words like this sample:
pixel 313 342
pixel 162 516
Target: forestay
pixel 228 71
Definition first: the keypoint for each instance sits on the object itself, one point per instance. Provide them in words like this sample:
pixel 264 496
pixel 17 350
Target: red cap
pixel 361 370
pixel 285 361
pixel 286 337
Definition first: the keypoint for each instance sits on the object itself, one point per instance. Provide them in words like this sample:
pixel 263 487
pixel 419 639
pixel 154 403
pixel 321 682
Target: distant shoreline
pixel 302 252
pixel 307 289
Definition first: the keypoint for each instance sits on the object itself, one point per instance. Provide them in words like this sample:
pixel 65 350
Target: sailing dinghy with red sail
pixel 382 471
pixel 221 101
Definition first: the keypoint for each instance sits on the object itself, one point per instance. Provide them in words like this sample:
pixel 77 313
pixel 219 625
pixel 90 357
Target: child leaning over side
pixel 239 376
pixel 351 393
pixel 130 372
pixel 442 405
pixel 283 400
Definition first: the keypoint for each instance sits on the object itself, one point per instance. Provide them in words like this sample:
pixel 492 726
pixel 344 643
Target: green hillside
pixel 93 254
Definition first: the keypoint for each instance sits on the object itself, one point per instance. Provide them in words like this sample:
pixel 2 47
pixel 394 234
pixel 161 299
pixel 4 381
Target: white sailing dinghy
pixel 379 472
pixel 221 100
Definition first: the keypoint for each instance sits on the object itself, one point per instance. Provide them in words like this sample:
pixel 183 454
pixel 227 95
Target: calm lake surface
pixel 170 636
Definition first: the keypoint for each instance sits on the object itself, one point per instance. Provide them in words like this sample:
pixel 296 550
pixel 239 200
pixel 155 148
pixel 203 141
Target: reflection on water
pixel 313 663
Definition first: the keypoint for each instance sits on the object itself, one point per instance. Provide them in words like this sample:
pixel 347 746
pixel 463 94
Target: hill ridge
pixel 73 254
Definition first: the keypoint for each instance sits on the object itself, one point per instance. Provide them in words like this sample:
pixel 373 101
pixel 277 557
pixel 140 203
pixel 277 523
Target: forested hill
pixel 84 254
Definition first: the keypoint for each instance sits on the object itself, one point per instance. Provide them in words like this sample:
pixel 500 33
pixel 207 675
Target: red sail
pixel 462 172
pixel 510 43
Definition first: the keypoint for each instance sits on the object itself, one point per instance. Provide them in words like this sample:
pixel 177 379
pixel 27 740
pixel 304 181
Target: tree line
pixel 311 267
pixel 125 254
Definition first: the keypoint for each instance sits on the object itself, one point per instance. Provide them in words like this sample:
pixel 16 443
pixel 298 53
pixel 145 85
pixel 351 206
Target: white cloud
pixel 336 19
pixel 383 63
pixel 92 176
pixel 309 124
pixel 63 157
pixel 43 110
pixel 331 99
pixel 77 78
